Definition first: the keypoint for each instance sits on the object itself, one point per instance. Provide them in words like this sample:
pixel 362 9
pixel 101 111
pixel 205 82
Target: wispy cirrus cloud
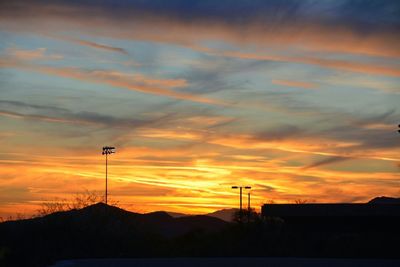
pixel 138 83
pixel 17 115
pixel 62 115
pixel 29 55
pixel 95 45
pixel 298 84
pixel 327 161
pixel 270 37
pixel 278 30
pixel 336 143
pixel 343 65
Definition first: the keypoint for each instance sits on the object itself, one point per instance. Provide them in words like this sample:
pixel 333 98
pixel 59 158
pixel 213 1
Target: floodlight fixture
pixel 107 150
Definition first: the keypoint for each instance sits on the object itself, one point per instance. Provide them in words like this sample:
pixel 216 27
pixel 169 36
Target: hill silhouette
pixel 385 200
pixel 177 214
pixel 98 230
pixel 106 217
pixel 224 214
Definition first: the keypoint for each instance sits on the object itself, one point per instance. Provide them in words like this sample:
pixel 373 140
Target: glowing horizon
pixel 299 100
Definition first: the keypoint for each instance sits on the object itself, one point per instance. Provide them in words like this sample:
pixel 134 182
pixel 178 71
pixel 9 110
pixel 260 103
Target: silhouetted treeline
pixel 101 231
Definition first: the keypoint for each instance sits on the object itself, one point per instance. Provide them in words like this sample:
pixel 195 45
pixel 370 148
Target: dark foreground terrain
pixel 231 262
pixel 102 231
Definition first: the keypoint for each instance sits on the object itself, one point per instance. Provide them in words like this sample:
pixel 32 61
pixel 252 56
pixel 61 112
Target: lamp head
pixel 107 150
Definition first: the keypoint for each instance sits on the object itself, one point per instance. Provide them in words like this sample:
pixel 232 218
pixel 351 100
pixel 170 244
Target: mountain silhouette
pixel 107 217
pixel 384 200
pixel 177 214
pixel 98 230
pixel 224 214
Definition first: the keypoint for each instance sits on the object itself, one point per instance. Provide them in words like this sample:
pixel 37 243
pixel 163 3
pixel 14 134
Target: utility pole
pixel 240 195
pixel 107 150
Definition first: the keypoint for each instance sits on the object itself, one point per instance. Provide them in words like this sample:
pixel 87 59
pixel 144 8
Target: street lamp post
pixel 107 150
pixel 240 195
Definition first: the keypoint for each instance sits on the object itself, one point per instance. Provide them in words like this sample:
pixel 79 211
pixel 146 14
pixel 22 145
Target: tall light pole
pixel 248 201
pixel 248 207
pixel 240 194
pixel 107 150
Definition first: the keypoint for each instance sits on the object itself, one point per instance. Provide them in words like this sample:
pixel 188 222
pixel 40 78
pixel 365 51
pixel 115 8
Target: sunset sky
pixel 298 99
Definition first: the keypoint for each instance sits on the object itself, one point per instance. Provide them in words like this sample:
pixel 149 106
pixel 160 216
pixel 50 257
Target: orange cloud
pixel 169 134
pixel 312 145
pixel 186 180
pixel 192 187
pixel 202 120
pixel 379 126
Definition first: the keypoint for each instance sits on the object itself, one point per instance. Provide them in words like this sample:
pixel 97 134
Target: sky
pixel 297 99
